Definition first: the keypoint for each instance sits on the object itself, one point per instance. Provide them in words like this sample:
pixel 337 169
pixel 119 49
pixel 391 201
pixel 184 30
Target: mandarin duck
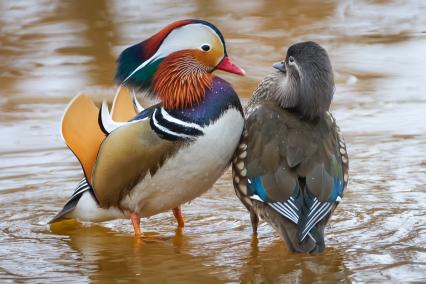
pixel 140 162
pixel 291 166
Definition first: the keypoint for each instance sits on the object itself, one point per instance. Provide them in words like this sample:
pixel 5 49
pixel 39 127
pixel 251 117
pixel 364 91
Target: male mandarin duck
pixel 140 164
pixel 291 166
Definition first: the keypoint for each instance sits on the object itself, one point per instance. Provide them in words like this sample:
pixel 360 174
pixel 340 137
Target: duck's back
pixel 279 138
pixel 296 167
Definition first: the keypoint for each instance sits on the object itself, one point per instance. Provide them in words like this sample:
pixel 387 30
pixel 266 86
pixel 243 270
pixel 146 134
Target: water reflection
pixel 103 250
pixel 274 264
pixel 108 255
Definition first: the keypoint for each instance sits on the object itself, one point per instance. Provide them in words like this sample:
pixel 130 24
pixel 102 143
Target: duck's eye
pixel 291 60
pixel 205 47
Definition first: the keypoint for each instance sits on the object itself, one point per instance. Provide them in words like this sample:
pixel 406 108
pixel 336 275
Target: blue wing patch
pixel 337 190
pixel 255 186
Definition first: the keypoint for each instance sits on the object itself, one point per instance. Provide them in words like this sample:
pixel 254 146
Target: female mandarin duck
pixel 291 166
pixel 169 153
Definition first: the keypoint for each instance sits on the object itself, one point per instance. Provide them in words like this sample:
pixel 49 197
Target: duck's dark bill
pixel 279 66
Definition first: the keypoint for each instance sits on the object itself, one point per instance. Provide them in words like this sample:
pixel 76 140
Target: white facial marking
pixel 191 36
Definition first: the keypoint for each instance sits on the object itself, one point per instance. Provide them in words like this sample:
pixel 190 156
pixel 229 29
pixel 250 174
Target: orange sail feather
pixel 81 132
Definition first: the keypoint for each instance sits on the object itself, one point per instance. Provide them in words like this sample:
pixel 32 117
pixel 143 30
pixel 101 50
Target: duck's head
pixel 176 64
pixel 304 81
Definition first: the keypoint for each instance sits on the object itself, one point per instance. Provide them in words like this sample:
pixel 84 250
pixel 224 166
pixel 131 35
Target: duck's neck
pixel 180 82
pixel 219 98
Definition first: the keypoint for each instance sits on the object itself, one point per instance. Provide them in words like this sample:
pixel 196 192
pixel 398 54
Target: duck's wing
pixel 293 167
pixel 326 178
pixel 83 135
pixel 130 153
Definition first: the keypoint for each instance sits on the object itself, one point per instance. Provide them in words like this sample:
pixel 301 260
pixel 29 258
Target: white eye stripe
pixel 140 67
pixel 292 62
pixel 191 36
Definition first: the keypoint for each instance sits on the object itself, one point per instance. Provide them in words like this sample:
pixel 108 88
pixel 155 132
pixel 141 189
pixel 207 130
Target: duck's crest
pixel 132 57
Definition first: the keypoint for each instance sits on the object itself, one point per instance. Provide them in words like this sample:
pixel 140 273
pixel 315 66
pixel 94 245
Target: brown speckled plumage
pixel 292 150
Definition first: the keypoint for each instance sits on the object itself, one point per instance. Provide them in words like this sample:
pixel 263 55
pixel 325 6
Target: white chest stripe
pixel 170 118
pixel 166 130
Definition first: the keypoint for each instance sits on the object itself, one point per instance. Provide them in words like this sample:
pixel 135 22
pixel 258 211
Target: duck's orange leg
pixel 136 222
pixel 178 215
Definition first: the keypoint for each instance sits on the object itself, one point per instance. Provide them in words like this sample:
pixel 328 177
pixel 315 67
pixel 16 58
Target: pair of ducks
pixel 289 159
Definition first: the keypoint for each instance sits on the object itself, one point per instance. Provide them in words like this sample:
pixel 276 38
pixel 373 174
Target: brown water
pixel 50 50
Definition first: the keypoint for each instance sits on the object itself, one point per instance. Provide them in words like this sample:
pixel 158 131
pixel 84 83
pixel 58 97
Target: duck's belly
pixel 191 171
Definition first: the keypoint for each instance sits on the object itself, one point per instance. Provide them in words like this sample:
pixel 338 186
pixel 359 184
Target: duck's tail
pixel 81 188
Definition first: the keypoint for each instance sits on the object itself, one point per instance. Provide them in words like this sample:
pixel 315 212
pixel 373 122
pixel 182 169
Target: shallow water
pixel 50 50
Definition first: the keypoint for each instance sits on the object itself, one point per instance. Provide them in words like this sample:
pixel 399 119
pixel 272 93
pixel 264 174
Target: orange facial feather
pixel 181 80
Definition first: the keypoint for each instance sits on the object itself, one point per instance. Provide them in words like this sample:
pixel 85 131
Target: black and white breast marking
pixel 171 128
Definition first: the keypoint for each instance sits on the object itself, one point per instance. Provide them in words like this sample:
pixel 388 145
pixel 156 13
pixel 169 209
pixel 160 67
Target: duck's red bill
pixel 227 65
